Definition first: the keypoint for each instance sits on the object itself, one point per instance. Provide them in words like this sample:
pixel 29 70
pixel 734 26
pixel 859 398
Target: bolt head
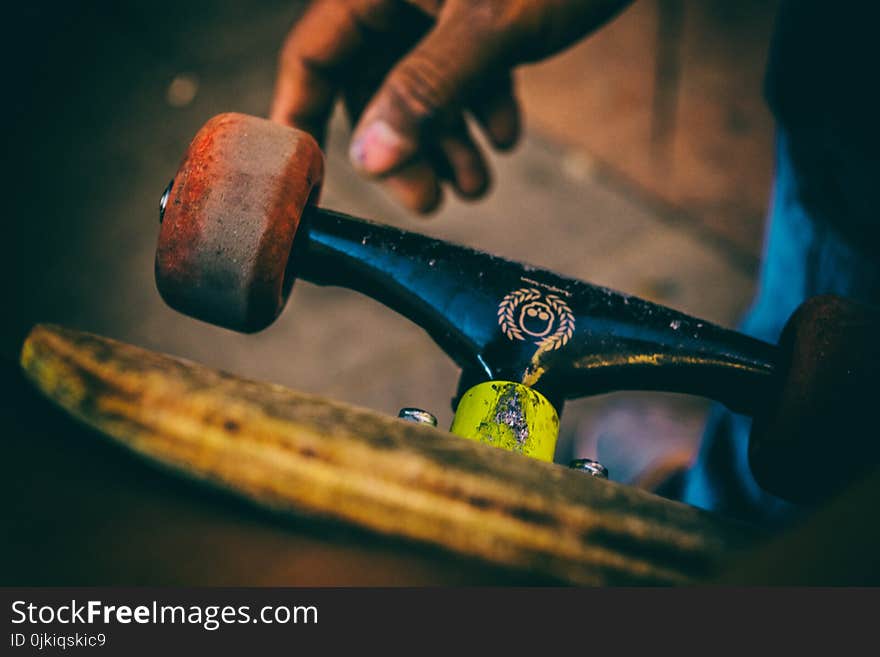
pixel 590 467
pixel 417 415
pixel 164 200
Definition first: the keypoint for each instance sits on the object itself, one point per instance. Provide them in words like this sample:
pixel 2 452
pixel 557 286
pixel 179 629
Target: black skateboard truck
pixel 239 225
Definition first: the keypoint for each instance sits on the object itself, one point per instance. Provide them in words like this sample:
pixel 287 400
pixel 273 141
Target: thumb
pixel 423 88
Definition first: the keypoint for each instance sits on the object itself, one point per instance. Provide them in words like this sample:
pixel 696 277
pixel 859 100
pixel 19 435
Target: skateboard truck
pixel 239 225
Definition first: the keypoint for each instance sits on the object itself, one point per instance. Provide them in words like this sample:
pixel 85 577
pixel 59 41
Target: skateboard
pixel 240 223
pixel 300 455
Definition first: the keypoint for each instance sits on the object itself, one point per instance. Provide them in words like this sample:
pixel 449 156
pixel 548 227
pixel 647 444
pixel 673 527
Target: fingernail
pixel 472 183
pixel 504 126
pixel 377 148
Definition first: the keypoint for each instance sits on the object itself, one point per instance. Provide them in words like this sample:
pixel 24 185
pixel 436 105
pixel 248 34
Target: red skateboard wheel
pixel 230 218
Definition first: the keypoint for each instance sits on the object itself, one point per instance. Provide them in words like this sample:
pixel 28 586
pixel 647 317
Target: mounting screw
pixel 164 200
pixel 418 416
pixel 590 467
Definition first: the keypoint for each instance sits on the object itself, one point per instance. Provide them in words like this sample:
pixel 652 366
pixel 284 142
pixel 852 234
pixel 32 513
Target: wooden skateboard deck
pixel 299 454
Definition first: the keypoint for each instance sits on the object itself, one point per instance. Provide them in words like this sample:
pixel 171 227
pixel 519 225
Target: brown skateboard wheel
pixel 230 218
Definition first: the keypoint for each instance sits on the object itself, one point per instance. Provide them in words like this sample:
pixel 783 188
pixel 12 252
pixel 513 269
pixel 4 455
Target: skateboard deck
pixel 299 454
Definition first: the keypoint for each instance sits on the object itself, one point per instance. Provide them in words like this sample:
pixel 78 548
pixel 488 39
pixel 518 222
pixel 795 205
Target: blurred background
pixel 645 167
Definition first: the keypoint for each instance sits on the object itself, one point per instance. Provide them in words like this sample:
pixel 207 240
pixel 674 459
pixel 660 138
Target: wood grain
pixel 297 453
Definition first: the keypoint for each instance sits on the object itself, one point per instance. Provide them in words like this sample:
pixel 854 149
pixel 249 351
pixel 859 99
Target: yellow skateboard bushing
pixel 508 415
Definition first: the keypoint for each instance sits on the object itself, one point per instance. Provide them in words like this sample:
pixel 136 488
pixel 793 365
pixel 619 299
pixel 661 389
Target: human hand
pixel 409 72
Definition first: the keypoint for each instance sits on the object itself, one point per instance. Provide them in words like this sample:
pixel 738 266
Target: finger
pixel 465 165
pixel 322 44
pixel 423 86
pixel 498 113
pixel 415 186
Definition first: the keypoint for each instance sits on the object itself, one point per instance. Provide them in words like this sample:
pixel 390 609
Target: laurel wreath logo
pixel 513 328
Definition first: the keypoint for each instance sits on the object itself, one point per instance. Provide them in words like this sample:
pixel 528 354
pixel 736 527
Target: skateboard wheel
pixel 229 219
